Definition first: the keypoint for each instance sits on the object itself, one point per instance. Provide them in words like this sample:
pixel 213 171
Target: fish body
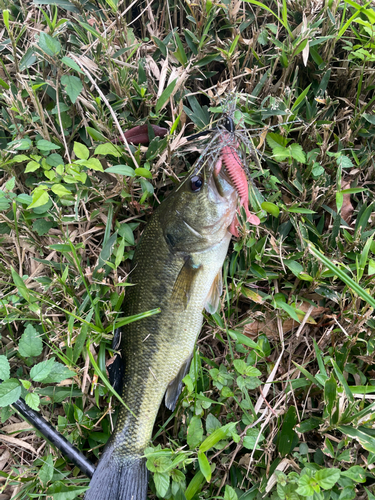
pixel 176 267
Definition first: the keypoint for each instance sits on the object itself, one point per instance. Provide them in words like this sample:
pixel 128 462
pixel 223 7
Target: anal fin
pixel 175 386
pixel 213 297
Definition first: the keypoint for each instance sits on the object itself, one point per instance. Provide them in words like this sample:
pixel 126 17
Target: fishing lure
pixel 223 149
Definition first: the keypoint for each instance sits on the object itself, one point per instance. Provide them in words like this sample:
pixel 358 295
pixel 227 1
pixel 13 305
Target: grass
pixel 278 402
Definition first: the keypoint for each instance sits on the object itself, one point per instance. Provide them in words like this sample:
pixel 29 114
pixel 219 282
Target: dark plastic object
pixel 49 432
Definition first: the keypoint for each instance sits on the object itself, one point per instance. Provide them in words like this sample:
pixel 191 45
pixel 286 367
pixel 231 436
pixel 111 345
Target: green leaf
pixel 20 144
pixel 212 423
pixel 298 210
pixel 4 368
pixel 369 494
pixel 58 373
pixel 339 201
pixel 103 378
pixel 107 149
pixel 280 153
pixel 10 391
pixel 55 160
pixel 240 365
pixel 327 478
pixel 44 145
pixel 73 86
pixel 95 134
pixel 251 371
pixel 297 153
pixel 41 370
pixel 20 158
pixel 21 287
pixel 81 151
pixel 180 53
pixel 366 441
pixel 344 162
pixel 371 267
pixel 369 118
pixel 342 380
pixel 32 400
pixel 163 99
pixel 346 279
pixel 59 491
pixel 364 257
pixel 330 394
pixel 281 21
pixel 305 483
pixel 204 465
pixel 157 463
pixel 317 170
pixel 356 474
pixel 194 432
pixel 93 31
pixel 92 163
pixel 308 375
pixel 287 434
pixel 9 185
pixel 290 310
pixel 46 471
pixel 25 383
pixel 32 166
pixel 30 343
pixel 6 18
pixel 354 190
pixel 121 170
pixel 194 485
pixel 217 436
pixel 271 208
pixel 60 190
pixel 243 339
pixel 143 172
pixel 161 481
pixel 49 45
pixel 301 97
pixel 72 64
pixel 40 198
pixel 230 494
pixel 275 140
pixel 253 438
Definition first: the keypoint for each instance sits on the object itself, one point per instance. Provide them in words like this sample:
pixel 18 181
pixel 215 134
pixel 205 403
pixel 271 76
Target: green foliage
pixel 296 321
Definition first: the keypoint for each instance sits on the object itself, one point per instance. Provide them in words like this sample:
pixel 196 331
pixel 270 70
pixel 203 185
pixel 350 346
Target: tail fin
pixel 116 479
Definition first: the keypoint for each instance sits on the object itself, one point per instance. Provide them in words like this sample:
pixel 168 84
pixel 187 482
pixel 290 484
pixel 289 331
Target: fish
pixel 177 267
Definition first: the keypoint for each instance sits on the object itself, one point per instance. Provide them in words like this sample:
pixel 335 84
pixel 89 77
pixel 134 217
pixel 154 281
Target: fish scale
pixel 155 347
pixel 176 267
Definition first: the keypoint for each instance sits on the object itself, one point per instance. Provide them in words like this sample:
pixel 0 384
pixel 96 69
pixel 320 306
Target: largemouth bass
pixel 177 266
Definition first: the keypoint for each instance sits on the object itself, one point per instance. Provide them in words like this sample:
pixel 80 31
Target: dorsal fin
pixel 213 297
pixel 175 386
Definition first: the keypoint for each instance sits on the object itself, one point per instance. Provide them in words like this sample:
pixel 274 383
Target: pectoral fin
pixel 175 386
pixel 213 298
pixel 184 284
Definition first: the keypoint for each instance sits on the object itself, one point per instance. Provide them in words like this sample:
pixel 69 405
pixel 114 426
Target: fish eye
pixel 229 124
pixel 196 183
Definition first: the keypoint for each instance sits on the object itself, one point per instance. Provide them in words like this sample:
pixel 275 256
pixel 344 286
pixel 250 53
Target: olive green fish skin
pixel 186 237
pixel 175 267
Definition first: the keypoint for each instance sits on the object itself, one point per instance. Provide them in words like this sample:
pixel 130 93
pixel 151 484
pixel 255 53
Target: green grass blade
pixel 343 277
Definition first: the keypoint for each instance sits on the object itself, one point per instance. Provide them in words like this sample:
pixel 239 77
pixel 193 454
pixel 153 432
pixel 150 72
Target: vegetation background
pixel 296 321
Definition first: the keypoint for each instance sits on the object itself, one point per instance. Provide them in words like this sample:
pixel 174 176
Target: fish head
pixel 198 213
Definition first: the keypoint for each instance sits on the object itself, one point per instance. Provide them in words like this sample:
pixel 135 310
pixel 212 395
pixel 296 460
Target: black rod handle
pixel 49 432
